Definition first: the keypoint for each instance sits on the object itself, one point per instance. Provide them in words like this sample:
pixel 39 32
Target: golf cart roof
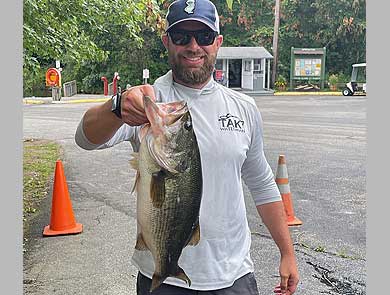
pixel 359 65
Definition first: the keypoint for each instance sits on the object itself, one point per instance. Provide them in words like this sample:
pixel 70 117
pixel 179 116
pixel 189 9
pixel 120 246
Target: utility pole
pixel 275 42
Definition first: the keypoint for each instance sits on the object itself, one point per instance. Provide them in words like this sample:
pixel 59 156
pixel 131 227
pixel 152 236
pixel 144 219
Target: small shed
pixel 246 68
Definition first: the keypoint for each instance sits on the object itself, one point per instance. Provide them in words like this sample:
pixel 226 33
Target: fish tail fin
pixel 180 274
pixel 157 280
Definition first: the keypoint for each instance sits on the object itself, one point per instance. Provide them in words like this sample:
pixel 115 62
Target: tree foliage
pixel 80 32
pixel 337 25
pixel 95 38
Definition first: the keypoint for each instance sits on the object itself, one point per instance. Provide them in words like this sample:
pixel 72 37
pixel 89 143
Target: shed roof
pixel 243 52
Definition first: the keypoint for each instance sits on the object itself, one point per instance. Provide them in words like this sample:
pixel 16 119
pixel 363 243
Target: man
pixel 228 127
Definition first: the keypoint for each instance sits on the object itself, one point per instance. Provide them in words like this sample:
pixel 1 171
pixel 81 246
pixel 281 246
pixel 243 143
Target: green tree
pixel 75 32
pixel 338 25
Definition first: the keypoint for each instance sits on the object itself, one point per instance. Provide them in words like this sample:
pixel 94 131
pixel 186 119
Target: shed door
pixel 258 75
pixel 235 72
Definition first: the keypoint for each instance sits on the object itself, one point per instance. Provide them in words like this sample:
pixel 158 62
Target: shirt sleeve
pixel 124 133
pixel 256 172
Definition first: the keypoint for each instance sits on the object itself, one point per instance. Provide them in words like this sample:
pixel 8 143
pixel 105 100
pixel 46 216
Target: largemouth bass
pixel 168 186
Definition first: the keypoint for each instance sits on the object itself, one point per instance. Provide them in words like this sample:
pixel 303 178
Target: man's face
pixel 192 64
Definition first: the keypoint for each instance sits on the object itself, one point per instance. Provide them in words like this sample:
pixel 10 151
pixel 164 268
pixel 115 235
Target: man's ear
pixel 219 40
pixel 165 40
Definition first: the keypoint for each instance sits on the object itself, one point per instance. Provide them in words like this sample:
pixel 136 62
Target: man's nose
pixel 193 44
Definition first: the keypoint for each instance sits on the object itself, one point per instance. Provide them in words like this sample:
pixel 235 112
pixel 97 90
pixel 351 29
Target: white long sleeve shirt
pixel 228 127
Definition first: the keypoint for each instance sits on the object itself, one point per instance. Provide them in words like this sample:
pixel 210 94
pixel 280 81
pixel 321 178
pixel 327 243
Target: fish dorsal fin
pixel 134 163
pixel 195 235
pixel 140 244
pixel 157 188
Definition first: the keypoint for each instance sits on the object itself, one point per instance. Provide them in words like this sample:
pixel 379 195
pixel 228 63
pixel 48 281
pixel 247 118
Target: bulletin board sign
pixel 307 65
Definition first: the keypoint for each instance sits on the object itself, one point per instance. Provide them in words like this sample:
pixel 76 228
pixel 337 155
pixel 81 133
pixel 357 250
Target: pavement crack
pixel 261 235
pixel 339 285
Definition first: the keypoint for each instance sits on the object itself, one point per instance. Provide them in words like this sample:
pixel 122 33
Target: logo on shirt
pixel 190 6
pixel 229 122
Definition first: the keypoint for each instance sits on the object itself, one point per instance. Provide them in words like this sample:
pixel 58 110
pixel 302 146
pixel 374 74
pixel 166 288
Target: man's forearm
pixel 274 218
pixel 100 124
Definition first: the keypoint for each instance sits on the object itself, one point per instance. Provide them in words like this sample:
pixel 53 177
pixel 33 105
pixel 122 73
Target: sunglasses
pixel 183 37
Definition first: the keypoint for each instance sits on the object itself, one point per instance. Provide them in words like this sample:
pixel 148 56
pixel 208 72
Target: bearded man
pixel 221 263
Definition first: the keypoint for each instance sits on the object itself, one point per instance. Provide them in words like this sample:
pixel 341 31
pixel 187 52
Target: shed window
pixel 247 65
pixel 257 66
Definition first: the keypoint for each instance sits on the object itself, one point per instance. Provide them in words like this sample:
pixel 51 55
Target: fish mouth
pixel 164 121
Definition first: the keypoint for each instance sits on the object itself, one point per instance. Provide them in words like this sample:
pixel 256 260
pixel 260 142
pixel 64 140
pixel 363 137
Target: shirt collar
pixel 210 87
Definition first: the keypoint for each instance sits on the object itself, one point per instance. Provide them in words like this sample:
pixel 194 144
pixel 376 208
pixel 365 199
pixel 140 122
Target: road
pixel 324 141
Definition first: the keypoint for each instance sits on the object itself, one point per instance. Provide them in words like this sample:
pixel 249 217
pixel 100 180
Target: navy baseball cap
pixel 203 11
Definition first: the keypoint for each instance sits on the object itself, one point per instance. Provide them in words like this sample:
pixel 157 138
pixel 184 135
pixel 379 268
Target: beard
pixel 192 76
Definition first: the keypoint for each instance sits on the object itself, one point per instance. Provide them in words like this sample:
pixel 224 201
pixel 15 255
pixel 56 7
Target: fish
pixel 168 186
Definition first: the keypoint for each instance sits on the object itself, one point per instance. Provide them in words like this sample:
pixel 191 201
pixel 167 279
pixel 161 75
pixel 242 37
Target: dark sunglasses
pixel 183 37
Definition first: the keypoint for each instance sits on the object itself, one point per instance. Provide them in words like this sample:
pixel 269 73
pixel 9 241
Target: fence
pixel 70 88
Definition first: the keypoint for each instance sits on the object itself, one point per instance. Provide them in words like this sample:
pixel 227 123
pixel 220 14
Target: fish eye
pixel 188 125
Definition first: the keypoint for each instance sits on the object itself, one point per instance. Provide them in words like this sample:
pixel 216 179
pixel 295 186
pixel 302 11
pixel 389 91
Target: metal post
pixel 275 42
pixel 56 93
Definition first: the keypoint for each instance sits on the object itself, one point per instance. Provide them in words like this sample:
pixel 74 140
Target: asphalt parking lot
pixel 324 140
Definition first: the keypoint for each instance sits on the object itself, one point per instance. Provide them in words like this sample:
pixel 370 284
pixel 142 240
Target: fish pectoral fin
pixel 134 161
pixel 195 236
pixel 140 244
pixel 157 280
pixel 181 275
pixel 157 188
pixel 135 182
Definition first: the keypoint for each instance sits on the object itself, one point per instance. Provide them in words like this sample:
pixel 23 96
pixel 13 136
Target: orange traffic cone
pixel 62 219
pixel 284 188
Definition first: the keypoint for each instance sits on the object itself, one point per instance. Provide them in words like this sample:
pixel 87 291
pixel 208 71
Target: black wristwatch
pixel 116 104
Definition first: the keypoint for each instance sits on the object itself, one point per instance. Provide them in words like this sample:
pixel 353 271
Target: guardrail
pixel 70 88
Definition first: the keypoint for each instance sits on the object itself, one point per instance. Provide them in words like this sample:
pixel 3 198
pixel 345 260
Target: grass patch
pixel 39 158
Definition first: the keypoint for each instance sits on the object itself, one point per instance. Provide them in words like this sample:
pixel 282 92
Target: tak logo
pixel 231 123
pixel 190 6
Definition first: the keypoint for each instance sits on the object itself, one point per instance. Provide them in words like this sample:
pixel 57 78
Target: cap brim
pixel 207 23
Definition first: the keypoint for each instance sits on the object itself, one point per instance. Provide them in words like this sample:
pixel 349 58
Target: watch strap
pixel 117 105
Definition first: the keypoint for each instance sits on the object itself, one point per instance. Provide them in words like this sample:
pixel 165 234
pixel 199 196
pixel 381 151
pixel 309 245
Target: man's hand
pixel 288 277
pixel 132 106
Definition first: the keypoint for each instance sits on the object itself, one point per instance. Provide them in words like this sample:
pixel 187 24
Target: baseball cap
pixel 203 11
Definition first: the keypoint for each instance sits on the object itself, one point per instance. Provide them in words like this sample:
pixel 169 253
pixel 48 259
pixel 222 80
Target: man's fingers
pixel 132 106
pixel 148 91
pixel 292 285
pixel 283 284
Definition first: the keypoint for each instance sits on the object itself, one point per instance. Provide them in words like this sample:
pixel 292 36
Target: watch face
pixel 113 103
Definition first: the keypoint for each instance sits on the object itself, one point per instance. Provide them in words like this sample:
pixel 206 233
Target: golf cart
pixel 358 80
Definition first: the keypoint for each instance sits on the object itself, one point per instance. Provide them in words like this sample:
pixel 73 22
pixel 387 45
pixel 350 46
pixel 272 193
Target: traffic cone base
pixel 292 220
pixel 62 219
pixel 284 189
pixel 78 228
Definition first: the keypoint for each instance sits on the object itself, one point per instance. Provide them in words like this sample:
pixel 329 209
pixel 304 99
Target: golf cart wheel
pixel 347 92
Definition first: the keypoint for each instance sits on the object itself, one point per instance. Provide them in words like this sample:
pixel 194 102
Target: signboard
pixel 218 75
pixel 307 64
pixel 308 67
pixel 145 74
pixel 53 77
